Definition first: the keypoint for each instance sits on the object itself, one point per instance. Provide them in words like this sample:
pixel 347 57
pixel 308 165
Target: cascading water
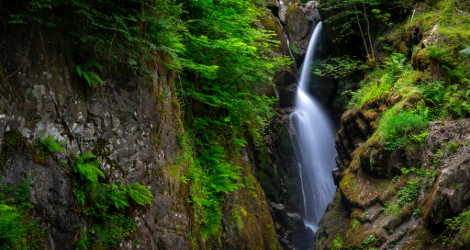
pixel 315 136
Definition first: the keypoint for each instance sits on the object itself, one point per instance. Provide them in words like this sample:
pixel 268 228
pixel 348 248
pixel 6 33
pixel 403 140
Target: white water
pixel 316 137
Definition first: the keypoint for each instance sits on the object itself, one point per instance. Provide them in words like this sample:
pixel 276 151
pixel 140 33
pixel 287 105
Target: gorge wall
pixel 395 191
pixel 132 125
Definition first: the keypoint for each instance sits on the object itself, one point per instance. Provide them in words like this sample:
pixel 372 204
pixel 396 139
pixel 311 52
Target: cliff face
pixel 130 123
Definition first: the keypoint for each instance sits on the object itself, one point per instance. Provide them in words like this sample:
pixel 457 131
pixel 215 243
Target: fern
pixel 88 74
pixel 223 178
pixel 396 63
pixel 140 194
pixel 419 138
pixel 10 229
pixel 438 54
pixel 47 143
pixel 118 197
pixel 88 167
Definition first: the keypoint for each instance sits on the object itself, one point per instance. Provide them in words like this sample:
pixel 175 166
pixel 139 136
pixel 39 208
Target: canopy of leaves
pixel 133 29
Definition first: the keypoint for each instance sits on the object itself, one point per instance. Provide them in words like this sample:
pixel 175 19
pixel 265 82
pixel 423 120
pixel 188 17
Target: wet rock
pixel 337 175
pixel 302 238
pixel 311 11
pixel 333 223
pixel 299 28
pixel 287 95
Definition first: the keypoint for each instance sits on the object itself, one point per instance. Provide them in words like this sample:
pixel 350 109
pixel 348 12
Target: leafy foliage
pixel 408 193
pixel 337 243
pixel 337 67
pixel 18 228
pixel 227 64
pixel 371 239
pixel 140 194
pixel 119 198
pixel 88 167
pixel 466 51
pixel 350 15
pixel 11 229
pixel 49 144
pixel 396 126
pixel 104 203
pixel 419 138
pixel 395 64
pixel 133 30
pixel 457 232
pixel 89 75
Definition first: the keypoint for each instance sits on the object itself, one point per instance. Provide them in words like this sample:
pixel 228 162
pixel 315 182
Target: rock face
pixel 129 122
pixel 122 122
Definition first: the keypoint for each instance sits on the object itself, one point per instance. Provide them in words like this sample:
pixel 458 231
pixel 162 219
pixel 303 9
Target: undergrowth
pixel 18 228
pixel 107 206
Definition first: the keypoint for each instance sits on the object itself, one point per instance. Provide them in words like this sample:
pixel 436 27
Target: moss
pixel 359 190
pixel 335 223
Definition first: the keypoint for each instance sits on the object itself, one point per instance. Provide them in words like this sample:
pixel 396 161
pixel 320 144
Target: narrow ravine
pixel 315 136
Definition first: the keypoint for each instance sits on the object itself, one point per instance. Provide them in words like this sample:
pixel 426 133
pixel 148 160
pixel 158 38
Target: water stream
pixel 315 136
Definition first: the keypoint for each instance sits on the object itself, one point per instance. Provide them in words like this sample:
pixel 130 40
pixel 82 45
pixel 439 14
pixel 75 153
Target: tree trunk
pixel 362 34
pixel 368 32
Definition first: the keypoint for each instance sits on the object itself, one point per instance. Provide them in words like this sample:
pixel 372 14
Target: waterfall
pixel 315 138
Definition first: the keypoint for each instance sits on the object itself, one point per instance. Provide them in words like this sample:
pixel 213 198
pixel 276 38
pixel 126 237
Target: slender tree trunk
pixel 368 31
pixel 362 33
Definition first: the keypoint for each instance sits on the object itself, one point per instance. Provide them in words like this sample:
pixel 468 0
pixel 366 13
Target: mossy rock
pixel 361 190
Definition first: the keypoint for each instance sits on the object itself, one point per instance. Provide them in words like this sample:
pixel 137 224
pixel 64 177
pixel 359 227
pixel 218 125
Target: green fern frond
pixel 11 230
pixel 96 76
pixel 140 194
pixel 48 144
pixel 224 178
pixel 119 198
pixel 88 74
pixel 92 63
pixel 88 167
pixel 79 70
pixel 88 79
